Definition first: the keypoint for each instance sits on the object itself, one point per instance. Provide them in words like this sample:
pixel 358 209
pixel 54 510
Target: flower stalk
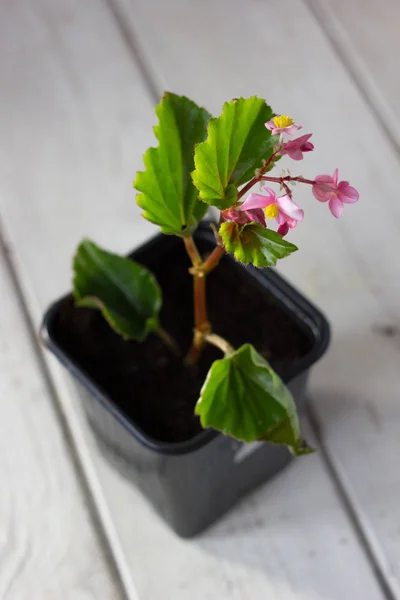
pixel 259 175
pixel 287 178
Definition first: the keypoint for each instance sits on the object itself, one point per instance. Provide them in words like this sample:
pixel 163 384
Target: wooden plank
pixel 81 140
pixel 48 544
pixel 276 49
pixel 365 34
pixel 81 121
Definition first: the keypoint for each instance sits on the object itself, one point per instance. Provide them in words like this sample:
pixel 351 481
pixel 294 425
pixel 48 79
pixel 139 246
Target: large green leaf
pixel 127 294
pixel 253 243
pixel 244 397
pixel 236 145
pixel 168 197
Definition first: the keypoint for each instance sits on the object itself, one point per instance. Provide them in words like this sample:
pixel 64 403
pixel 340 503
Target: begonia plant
pixel 201 162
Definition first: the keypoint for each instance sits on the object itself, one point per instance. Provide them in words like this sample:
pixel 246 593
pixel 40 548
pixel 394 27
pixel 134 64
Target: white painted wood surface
pixel 81 118
pixel 290 540
pixel 49 547
pixel 365 34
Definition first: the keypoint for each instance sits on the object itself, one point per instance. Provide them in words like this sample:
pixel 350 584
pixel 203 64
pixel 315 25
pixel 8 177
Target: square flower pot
pixel 191 476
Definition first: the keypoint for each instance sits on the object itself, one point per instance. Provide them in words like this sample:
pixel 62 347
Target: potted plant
pixel 195 392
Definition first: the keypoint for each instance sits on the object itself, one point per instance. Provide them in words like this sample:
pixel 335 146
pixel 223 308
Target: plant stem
pixel 213 259
pixel 201 323
pixel 200 304
pixel 219 342
pixel 192 251
pixel 281 180
pixel 199 287
pixel 258 177
pixel 168 340
pixel 261 177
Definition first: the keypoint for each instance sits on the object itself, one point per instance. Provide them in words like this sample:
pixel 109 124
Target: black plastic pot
pixel 192 483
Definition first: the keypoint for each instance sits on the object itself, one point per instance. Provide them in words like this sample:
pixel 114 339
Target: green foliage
pixel 252 243
pixel 200 161
pixel 236 145
pixel 244 397
pixel 168 197
pixel 127 294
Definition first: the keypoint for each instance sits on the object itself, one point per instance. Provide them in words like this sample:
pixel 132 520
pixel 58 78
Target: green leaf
pixel 127 294
pixel 236 145
pixel 244 397
pixel 168 197
pixel 252 243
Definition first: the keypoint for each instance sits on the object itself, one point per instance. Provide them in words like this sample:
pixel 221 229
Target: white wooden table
pixel 78 81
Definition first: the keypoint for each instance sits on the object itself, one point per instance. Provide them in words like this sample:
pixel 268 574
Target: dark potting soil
pixel 148 383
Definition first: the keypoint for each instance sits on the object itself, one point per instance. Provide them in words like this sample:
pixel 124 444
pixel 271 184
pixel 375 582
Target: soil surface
pixel 145 380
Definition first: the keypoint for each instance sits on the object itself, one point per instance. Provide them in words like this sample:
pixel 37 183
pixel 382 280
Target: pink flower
pixel 282 124
pixel 281 208
pixel 255 215
pixel 327 188
pixel 295 148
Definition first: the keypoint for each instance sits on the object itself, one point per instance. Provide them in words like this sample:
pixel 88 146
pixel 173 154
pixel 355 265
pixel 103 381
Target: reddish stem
pixel 200 307
pixel 213 259
pixel 258 177
pixel 192 251
pixel 281 180
pixel 201 323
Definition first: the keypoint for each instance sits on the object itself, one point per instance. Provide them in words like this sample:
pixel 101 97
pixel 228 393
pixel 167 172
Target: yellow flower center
pixel 283 121
pixel 271 211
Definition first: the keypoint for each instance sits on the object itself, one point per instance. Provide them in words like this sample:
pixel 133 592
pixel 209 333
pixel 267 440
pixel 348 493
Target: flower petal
pixel 255 201
pixel 256 215
pixel 290 208
pixel 319 194
pixel 327 179
pixel 270 124
pixel 295 148
pixel 335 176
pixel 308 147
pixel 295 154
pixel 336 206
pixel 233 214
pixel 291 222
pixel 269 192
pixel 347 193
pixel 302 139
pixel 292 129
pixel 281 218
pixel 241 217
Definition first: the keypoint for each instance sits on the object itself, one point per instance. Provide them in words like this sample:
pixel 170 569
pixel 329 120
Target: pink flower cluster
pixel 283 209
pixel 330 189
